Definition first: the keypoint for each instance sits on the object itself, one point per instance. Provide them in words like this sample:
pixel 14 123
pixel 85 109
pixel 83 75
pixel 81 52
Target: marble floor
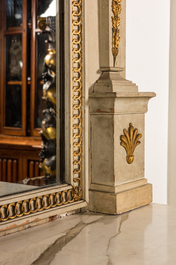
pixel 146 236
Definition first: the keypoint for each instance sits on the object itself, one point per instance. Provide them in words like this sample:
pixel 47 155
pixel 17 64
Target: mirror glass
pixel 28 94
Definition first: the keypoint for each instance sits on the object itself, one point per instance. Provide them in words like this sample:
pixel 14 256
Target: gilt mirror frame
pixel 36 205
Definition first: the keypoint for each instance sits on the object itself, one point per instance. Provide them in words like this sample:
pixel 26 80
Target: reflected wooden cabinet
pixel 22 53
pixel 19 159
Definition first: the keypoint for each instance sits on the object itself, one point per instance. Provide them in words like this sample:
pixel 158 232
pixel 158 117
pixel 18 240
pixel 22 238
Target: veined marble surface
pixel 146 236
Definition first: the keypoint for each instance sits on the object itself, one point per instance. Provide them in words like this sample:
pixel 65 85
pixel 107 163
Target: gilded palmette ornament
pixel 129 141
pixel 116 9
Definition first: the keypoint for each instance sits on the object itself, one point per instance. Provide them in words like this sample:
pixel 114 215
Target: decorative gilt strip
pixel 116 9
pixel 35 204
pixel 129 141
pixel 77 95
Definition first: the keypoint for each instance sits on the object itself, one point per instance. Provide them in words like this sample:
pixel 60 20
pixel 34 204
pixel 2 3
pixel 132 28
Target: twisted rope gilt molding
pixel 45 202
pixel 35 204
pixel 116 9
pixel 77 94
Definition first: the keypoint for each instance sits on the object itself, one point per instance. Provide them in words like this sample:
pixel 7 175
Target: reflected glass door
pixel 14 70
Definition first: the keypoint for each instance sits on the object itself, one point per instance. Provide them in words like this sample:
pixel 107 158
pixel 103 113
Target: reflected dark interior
pixel 14 13
pixel 22 52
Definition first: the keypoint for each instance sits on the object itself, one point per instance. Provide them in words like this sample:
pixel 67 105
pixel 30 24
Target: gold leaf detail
pixel 77 194
pixel 116 9
pixel 77 91
pixel 129 141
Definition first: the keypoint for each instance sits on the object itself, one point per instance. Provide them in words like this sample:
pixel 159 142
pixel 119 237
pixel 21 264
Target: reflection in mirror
pixel 48 132
pixel 13 13
pixel 28 95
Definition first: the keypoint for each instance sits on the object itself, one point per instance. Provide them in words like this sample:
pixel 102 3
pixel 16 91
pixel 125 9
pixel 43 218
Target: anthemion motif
pixel 40 203
pixel 116 9
pixel 129 141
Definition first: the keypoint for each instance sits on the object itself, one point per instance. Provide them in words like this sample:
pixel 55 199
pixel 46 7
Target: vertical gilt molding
pixel 116 10
pixel 77 95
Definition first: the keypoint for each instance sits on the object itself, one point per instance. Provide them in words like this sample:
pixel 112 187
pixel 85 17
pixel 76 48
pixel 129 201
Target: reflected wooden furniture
pixel 21 60
pixel 19 158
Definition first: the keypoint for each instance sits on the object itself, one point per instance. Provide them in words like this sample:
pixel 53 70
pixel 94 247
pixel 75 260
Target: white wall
pixel 172 111
pixel 147 64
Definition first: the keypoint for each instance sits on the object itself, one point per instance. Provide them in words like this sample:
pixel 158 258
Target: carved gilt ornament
pixel 129 141
pixel 116 10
